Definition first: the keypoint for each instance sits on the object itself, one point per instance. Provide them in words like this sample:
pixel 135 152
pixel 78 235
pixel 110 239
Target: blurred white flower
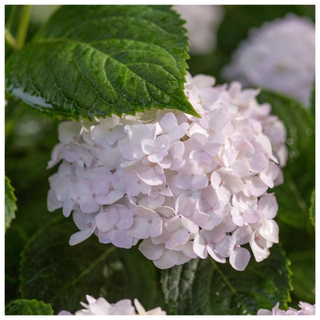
pixel 100 306
pixel 202 24
pixel 280 55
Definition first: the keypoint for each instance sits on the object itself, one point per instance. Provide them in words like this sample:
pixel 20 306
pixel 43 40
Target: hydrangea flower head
pixel 279 56
pixel 185 187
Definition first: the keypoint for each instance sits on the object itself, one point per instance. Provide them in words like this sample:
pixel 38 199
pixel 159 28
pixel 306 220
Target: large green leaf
pixel 303 279
pixel 53 271
pixel 28 307
pixel 299 174
pixel 205 287
pixel 100 60
pixel 10 203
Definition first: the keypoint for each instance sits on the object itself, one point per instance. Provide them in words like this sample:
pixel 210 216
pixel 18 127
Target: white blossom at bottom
pixel 306 309
pixel 101 306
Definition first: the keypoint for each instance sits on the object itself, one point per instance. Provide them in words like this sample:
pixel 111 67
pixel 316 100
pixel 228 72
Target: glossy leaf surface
pixel 53 271
pixel 204 287
pixel 95 61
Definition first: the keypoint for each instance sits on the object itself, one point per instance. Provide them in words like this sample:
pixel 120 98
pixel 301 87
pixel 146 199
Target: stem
pixel 23 27
pixel 10 40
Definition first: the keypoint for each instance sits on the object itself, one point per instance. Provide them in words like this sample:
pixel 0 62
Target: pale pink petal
pixel 126 218
pixel 81 236
pixel 167 260
pixel 251 216
pixel 224 247
pixel 215 179
pixel 270 174
pixel 103 224
pixel 258 162
pixel 52 202
pixel 240 168
pixel 150 177
pixel 200 218
pixel 232 182
pixel 168 122
pixel 200 181
pixel 257 187
pixel 139 229
pixel 239 258
pixel 243 235
pixel 68 206
pixel 121 239
pixel 88 205
pixel 156 227
pixel 268 206
pixel 173 224
pixel 214 254
pixel 181 236
pixel 218 119
pixel 150 250
pixel 84 187
pixel 147 146
pixel 270 231
pixel 183 181
pixel 113 216
pixel 199 246
pixel 101 186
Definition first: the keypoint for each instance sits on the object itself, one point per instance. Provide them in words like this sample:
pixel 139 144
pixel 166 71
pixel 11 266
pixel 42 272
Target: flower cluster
pixel 306 310
pixel 202 25
pixel 186 186
pixel 100 306
pixel 279 56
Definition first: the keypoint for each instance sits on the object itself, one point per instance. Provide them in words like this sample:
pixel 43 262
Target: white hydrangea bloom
pixel 187 187
pixel 202 24
pixel 307 309
pixel 279 56
pixel 100 306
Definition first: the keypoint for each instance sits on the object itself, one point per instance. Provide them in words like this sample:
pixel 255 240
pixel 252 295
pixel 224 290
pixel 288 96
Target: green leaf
pixel 303 278
pixel 10 203
pixel 28 307
pixel 204 287
pixel 53 271
pixel 312 210
pixel 95 61
pixel 299 174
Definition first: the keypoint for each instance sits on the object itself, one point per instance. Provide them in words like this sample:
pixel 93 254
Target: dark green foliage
pixel 205 287
pixel 28 308
pixel 53 271
pixel 299 174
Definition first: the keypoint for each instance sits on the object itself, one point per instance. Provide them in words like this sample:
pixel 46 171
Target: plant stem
pixel 11 41
pixel 23 27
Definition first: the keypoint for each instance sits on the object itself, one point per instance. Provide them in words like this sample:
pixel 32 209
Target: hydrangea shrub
pixel 187 187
